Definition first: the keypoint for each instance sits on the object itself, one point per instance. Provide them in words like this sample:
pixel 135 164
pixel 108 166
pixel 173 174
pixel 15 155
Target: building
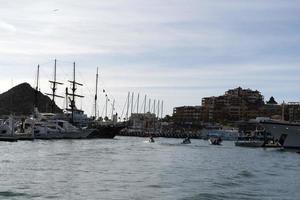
pixel 142 121
pixel 236 104
pixel 188 114
pixel 292 111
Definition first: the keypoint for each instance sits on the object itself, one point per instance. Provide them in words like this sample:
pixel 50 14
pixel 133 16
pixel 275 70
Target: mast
pixel 138 102
pixel 162 109
pixel 154 106
pixel 127 111
pixel 73 94
pixel 112 110
pixel 96 94
pixel 282 111
pixel 145 100
pixel 132 103
pixel 37 87
pixel 106 101
pixel 149 105
pixel 158 105
pixel 54 84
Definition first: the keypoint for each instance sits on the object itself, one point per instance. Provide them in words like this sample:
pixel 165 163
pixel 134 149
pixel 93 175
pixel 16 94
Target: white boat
pixel 225 134
pixel 286 133
pixel 7 131
pixel 48 126
pixel 257 138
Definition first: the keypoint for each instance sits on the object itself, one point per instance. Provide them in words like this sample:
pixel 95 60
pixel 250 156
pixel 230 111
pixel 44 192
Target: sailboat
pixel 104 129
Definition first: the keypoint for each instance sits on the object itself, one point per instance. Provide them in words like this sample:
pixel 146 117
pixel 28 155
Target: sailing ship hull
pixel 105 132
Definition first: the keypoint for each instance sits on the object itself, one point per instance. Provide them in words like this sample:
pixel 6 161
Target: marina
pixel 149 100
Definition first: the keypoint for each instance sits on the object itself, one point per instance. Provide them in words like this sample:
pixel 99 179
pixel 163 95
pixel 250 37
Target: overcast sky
pixel 173 50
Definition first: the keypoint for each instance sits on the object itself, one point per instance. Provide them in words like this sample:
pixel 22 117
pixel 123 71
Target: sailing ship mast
pixel 73 94
pixel 96 94
pixel 54 84
pixel 37 87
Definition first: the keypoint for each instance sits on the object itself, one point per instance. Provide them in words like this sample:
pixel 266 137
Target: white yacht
pixel 47 126
pixel 286 133
pixel 7 130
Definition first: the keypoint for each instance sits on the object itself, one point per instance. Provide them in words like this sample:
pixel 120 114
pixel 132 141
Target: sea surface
pixel 132 168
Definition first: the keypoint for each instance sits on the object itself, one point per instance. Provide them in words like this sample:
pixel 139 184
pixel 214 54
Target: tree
pixel 271 100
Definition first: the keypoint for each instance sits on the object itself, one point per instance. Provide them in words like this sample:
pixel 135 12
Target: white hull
pixel 280 130
pixel 82 134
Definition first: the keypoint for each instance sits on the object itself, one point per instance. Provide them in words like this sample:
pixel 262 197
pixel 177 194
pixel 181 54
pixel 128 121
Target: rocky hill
pixel 20 99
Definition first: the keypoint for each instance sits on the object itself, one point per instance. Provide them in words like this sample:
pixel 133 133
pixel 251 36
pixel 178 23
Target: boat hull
pixel 249 143
pixel 105 132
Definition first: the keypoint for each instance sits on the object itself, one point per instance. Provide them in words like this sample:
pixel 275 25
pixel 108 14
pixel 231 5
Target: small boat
pixel 151 140
pixel 215 140
pixel 257 138
pixel 249 143
pixel 186 141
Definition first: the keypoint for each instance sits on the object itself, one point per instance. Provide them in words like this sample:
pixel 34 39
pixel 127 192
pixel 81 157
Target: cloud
pixel 173 50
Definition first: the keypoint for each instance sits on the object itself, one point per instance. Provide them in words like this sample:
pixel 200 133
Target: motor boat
pixel 213 140
pixel 186 141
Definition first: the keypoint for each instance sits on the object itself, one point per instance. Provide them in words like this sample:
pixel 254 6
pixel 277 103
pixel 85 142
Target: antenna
pixel 54 84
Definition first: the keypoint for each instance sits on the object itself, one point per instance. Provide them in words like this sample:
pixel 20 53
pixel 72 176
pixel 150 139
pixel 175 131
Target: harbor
pixel 149 100
pixel 259 127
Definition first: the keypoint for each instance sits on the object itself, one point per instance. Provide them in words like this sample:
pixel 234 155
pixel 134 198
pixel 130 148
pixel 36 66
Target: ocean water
pixel 132 168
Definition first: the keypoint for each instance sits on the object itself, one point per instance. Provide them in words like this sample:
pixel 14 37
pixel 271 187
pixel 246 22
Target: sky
pixel 172 50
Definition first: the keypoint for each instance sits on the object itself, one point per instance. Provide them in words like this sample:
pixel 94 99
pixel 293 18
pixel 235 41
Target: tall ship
pixel 56 125
pixel 107 128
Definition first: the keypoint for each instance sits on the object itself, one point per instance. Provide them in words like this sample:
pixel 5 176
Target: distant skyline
pixel 173 50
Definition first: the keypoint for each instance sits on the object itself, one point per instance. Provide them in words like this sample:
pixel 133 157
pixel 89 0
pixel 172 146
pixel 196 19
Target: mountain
pixel 20 99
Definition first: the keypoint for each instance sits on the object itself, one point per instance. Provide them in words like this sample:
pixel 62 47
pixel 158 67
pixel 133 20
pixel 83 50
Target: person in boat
pixel 186 140
pixel 151 139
